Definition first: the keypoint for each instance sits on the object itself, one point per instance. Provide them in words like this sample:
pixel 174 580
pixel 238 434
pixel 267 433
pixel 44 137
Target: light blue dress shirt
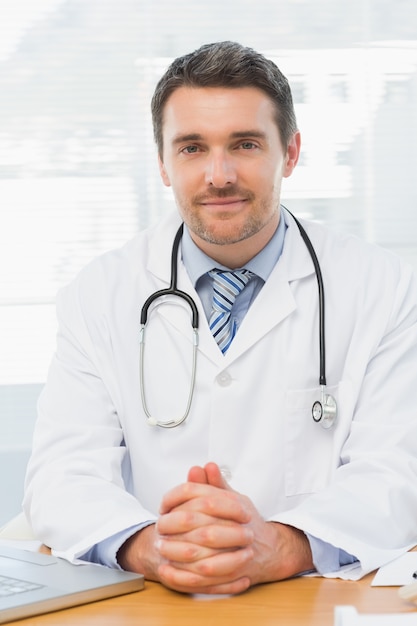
pixel 326 557
pixel 198 264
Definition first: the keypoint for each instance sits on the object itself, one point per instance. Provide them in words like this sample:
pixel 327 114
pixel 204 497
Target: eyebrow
pixel 239 134
pixel 184 138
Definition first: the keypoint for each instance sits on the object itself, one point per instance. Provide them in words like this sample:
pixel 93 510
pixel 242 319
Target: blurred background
pixel 78 171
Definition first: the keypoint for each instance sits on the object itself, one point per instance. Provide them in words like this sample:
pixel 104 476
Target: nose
pixel 220 169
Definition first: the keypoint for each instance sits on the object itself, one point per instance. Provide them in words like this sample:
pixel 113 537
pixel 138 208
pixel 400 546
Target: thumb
pixel 197 475
pixel 215 476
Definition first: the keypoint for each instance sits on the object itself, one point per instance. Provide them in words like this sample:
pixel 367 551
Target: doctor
pixel 248 487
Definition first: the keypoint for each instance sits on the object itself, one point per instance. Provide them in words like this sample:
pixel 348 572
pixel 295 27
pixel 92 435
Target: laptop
pixel 32 583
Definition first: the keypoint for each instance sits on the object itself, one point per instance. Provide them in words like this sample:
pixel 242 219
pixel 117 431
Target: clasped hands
pixel 211 539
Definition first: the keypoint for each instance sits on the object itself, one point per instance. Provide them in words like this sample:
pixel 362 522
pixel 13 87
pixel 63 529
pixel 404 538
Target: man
pixel 246 486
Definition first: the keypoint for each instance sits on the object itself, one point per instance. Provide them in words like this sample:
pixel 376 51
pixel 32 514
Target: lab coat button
pixel 224 379
pixel 226 472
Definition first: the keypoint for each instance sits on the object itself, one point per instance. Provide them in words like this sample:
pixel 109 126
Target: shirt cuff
pixel 105 552
pixel 326 557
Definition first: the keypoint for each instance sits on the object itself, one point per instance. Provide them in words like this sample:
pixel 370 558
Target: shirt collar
pixel 197 263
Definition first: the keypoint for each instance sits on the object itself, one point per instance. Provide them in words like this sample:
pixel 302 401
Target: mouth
pixel 233 202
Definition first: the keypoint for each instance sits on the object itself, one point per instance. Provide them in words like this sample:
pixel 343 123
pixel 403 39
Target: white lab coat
pixel 98 467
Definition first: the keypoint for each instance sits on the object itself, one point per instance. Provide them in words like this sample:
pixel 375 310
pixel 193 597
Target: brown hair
pixel 226 64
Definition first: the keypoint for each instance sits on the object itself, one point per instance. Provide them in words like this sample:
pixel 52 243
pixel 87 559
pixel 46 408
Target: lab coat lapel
pixel 159 265
pixel 160 248
pixel 272 305
pixel 275 301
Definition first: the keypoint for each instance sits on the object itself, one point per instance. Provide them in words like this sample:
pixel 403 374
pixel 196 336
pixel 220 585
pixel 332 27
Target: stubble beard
pixel 222 233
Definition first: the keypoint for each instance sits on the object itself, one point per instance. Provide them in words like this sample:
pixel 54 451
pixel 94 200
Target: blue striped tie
pixel 226 287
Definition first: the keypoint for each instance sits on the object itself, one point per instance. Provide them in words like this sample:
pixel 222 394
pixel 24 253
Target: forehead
pixel 204 110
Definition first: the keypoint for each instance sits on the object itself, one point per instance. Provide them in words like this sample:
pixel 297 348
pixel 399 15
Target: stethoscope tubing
pixel 324 410
pixel 322 308
pixel 171 291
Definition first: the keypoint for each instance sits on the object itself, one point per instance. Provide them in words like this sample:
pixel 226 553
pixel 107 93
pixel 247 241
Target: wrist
pixel 138 554
pixel 292 553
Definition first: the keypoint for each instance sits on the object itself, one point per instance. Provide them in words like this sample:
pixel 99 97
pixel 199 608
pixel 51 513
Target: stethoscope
pixel 323 411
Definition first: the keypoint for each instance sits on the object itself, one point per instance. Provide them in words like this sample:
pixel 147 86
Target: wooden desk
pixel 297 602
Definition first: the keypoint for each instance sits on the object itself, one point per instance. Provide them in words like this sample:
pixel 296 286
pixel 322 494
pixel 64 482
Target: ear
pixel 163 172
pixel 293 152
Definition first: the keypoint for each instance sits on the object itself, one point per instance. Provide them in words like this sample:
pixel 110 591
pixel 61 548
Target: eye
pixel 189 149
pixel 248 145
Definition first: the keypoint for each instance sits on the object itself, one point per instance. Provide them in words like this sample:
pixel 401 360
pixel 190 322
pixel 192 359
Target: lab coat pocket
pixel 309 458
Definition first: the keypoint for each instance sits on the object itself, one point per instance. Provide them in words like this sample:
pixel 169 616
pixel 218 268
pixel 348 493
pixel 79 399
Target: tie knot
pixel 227 285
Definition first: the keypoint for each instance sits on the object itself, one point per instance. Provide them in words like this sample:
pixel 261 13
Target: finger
pixel 179 522
pixel 219 566
pixel 180 494
pixel 183 551
pixel 221 569
pixel 206 498
pixel 221 506
pixel 214 538
pixel 197 475
pixel 215 477
pixel 192 584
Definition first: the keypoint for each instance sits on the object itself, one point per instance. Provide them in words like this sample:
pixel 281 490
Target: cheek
pixel 268 183
pixel 267 173
pixel 186 182
pixel 183 192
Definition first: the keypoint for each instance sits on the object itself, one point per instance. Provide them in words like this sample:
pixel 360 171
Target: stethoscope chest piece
pixel 324 411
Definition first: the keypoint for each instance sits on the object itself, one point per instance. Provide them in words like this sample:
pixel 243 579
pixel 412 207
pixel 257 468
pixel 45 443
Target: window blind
pixel 78 172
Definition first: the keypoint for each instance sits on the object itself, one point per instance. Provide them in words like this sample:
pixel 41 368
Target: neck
pixel 237 254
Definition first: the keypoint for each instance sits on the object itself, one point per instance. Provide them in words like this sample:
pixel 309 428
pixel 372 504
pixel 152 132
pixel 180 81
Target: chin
pixel 224 231
pixel 223 236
